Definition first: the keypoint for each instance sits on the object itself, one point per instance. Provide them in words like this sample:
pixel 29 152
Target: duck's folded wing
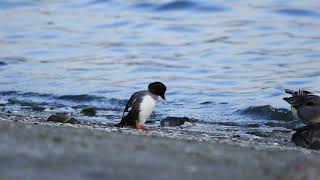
pixel 130 105
pixel 125 119
pixel 131 111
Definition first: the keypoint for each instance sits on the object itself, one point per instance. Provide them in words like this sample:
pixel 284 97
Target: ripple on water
pixel 80 97
pixel 11 60
pixel 10 5
pixel 267 112
pixel 116 24
pixel 181 5
pixel 86 3
pixel 297 12
pixel 176 5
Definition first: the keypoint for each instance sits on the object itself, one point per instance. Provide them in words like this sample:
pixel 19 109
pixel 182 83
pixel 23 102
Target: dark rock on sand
pixel 89 111
pixel 63 118
pixel 308 137
pixel 174 121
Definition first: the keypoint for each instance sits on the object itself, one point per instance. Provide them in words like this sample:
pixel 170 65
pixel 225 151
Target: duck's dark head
pixel 158 88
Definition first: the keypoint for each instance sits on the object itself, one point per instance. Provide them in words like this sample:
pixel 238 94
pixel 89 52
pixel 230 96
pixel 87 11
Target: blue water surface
pixel 217 58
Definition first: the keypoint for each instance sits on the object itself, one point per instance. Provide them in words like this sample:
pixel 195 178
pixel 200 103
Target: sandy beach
pixel 32 148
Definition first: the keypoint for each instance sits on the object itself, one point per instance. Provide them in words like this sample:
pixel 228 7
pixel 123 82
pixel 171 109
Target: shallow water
pixel 222 61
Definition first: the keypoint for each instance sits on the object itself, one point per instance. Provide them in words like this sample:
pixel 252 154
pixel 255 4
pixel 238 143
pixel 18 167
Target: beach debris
pixel 63 118
pixel 175 121
pixel 89 111
pixel 308 137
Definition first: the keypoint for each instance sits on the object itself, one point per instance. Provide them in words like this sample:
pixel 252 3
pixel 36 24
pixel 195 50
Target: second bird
pixel 305 106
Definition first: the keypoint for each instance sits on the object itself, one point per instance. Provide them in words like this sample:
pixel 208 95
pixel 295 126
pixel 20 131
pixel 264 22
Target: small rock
pixel 308 137
pixel 175 121
pixel 236 136
pixel 89 111
pixel 63 118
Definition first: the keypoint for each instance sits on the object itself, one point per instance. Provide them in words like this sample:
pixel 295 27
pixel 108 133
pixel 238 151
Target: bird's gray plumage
pixel 307 136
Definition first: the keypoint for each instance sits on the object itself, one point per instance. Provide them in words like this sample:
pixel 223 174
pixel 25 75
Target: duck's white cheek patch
pixel 295 113
pixel 146 107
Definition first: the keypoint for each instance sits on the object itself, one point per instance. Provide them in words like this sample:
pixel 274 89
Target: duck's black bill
pixel 289 91
pixel 163 97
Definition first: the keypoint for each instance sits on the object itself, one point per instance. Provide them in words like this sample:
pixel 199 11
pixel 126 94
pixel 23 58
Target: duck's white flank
pixel 147 105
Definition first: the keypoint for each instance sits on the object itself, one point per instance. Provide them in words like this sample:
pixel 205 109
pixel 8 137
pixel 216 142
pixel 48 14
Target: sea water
pixel 224 62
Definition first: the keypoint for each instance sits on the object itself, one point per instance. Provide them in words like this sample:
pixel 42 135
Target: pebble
pixel 63 118
pixel 175 121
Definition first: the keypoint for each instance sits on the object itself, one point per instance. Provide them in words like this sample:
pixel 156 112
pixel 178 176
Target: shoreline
pixel 36 149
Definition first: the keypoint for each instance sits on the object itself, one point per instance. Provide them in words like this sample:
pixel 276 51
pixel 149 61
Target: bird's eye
pixel 310 103
pixel 307 142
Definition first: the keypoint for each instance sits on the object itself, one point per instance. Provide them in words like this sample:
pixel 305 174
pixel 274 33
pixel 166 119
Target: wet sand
pixel 32 148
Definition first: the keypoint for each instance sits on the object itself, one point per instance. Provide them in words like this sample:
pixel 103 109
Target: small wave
pixel 176 5
pixel 16 100
pixel 268 112
pixel 297 12
pixel 25 102
pixel 287 125
pixel 32 94
pixel 99 1
pixel 10 5
pixel 181 5
pixel 8 93
pixel 144 5
pixel 80 97
pixel 207 103
pixel 22 94
pixel 73 98
pixel 11 60
pixel 236 124
pixel 85 4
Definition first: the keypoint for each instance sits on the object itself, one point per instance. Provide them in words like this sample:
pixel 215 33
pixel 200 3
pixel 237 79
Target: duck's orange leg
pixel 138 125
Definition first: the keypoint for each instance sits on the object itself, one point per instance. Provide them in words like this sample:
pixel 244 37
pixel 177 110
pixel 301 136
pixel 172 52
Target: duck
pixel 141 105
